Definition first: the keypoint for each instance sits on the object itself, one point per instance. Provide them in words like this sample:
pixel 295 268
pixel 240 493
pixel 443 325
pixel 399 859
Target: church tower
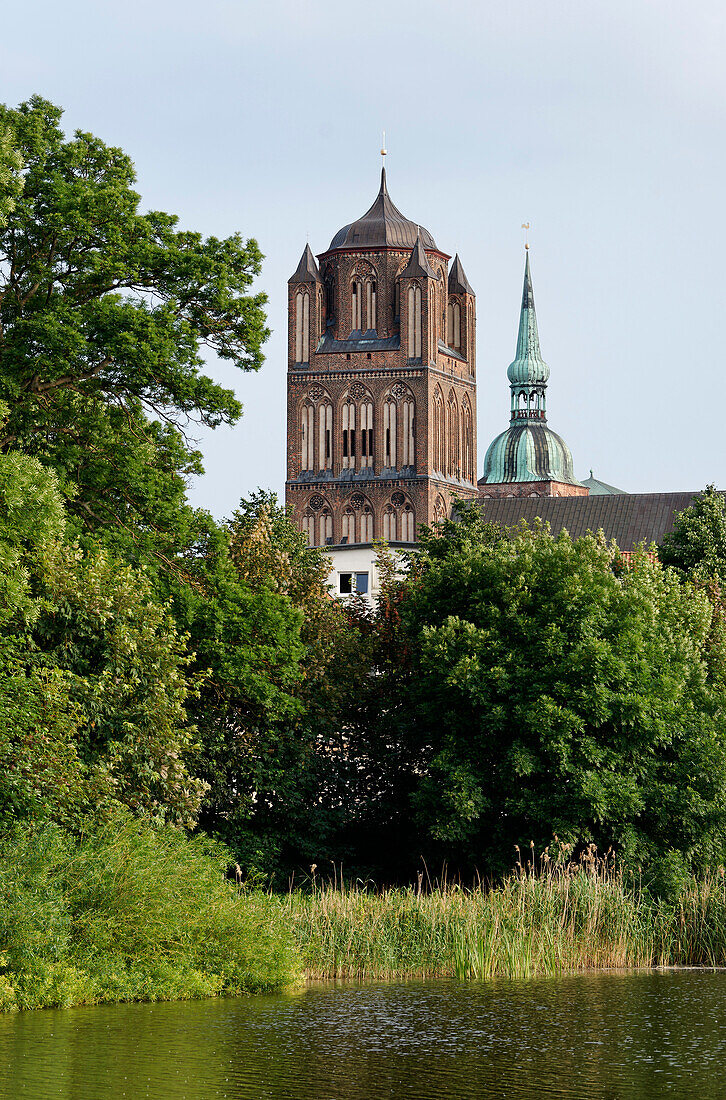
pixel 529 459
pixel 381 395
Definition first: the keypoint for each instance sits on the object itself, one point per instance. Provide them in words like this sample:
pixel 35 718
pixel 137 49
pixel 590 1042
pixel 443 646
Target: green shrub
pixel 130 912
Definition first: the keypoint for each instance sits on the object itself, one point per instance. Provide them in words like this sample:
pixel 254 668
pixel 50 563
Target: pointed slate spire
pixel 418 264
pixel 458 282
pixel 528 367
pixel 307 269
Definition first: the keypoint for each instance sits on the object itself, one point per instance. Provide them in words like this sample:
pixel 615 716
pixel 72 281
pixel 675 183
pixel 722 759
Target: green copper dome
pixel 528 450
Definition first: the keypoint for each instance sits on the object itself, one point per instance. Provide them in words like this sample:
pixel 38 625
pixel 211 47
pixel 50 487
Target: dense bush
pixel 130 912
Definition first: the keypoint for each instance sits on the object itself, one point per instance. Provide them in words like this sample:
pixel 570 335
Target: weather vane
pixel 383 147
pixel 525 227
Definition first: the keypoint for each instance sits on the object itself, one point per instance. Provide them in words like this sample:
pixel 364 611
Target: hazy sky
pixel 601 123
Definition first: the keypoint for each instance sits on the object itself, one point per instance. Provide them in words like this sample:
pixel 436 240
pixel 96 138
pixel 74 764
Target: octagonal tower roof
pixel 383 226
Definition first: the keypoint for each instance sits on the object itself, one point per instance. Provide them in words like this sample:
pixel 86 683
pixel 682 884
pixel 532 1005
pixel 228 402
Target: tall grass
pixel 551 919
pixel 130 913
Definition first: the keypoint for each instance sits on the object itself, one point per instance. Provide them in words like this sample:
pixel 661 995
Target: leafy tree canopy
pixel 697 545
pixel 546 695
pixel 104 314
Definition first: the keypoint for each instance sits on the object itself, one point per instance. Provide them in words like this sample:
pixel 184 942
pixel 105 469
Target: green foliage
pixel 273 645
pixel 697 545
pixel 559 917
pixel 544 694
pixel 104 313
pixel 92 671
pixel 11 183
pixel 128 912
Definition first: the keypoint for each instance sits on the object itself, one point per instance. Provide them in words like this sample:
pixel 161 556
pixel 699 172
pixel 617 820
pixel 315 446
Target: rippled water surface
pixel 648 1034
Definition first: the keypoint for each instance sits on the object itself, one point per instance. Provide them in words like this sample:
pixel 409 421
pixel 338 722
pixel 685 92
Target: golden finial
pixel 383 147
pixel 525 227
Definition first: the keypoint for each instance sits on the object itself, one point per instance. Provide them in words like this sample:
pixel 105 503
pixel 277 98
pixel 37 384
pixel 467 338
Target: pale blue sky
pixel 600 123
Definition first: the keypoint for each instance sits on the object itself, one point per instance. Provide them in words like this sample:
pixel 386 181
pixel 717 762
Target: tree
pixel 546 695
pixel 696 548
pixel 104 313
pixel 92 671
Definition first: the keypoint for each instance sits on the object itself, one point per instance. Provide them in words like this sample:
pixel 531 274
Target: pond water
pixel 606 1036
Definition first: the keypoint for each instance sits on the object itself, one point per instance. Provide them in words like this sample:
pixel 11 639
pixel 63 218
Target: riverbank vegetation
pixel 563 917
pixel 181 696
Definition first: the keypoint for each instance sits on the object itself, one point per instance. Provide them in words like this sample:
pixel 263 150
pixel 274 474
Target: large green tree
pixel 105 313
pixel 93 681
pixel 542 693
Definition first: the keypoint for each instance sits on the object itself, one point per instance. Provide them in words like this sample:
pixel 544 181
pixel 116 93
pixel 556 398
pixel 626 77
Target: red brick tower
pixel 381 396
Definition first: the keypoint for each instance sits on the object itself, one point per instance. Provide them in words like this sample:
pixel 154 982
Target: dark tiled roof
pixel 458 282
pixel 383 226
pixel 629 518
pixel 307 269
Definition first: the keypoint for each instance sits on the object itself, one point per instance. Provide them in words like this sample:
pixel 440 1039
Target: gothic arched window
pixel 325 435
pixel 326 527
pixel 389 524
pixel 453 436
pixel 302 327
pixel 408 524
pixel 371 308
pixel 307 421
pixel 467 441
pixel 409 442
pixel 453 327
pixel 439 445
pixel 390 424
pixel 356 305
pixel 366 524
pixel 348 534
pixel 348 428
pixel 414 322
pixel 366 434
pixel 308 526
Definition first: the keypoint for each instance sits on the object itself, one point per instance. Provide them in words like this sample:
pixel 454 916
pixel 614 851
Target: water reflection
pixel 604 1036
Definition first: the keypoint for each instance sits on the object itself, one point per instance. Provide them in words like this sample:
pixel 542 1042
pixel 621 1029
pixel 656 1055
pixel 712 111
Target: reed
pixel 549 916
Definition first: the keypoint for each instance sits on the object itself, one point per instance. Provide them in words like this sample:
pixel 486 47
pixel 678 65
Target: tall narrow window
pixel 357 305
pixel 389 525
pixel 456 332
pixel 307 421
pixel 326 527
pixel 348 418
pixel 408 525
pixel 325 430
pixel 299 326
pixel 439 451
pixel 348 526
pixel 414 322
pixel 390 455
pixel 308 526
pixel 371 304
pixel 450 325
pixel 397 300
pixel 366 434
pixel 453 438
pixel 366 525
pixel 408 439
